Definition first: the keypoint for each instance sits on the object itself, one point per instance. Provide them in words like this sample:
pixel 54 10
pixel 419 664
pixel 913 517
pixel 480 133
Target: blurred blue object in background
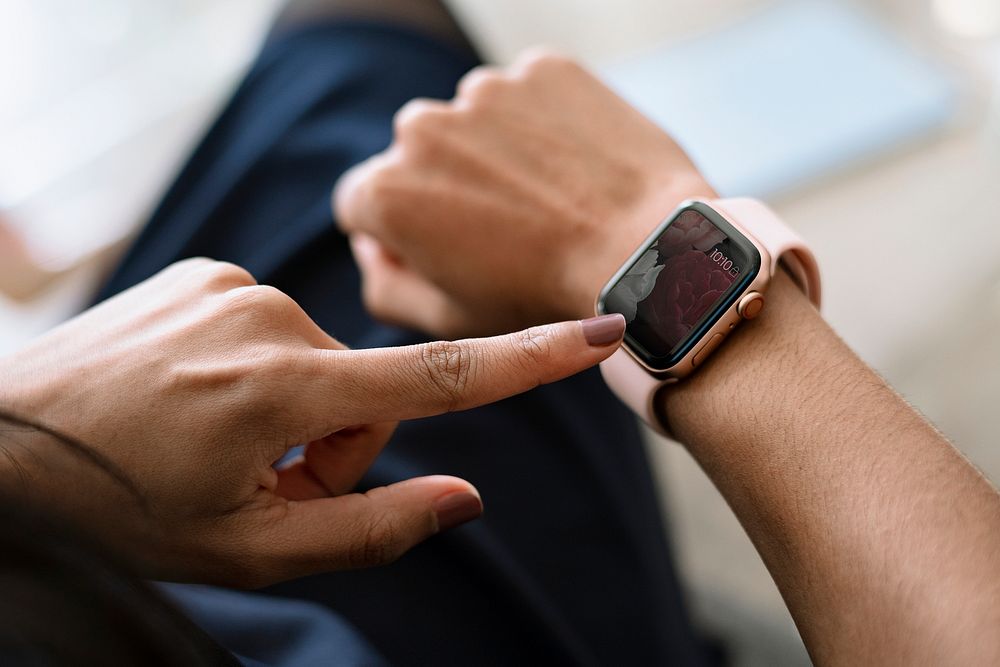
pixel 788 95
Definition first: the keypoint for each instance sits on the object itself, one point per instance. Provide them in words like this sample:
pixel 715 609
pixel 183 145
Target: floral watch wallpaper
pixel 675 282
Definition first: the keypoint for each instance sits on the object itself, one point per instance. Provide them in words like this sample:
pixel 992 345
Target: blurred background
pixel 872 127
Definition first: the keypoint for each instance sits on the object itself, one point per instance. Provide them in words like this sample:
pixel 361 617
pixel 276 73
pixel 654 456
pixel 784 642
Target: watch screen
pixel 681 284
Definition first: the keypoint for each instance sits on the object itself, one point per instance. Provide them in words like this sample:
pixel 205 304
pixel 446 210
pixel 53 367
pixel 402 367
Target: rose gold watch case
pixel 635 383
pixel 726 322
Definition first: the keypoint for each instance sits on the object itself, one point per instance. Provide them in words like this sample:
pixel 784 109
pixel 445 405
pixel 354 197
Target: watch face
pixel 683 281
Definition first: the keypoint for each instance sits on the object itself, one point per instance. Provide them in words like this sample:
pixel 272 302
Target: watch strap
pixel 782 244
pixel 636 386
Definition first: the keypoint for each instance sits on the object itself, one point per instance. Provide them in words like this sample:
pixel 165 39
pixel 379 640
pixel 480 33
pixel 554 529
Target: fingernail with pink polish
pixel 457 508
pixel 603 330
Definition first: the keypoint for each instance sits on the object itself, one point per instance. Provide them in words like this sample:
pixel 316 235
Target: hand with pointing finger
pixel 182 393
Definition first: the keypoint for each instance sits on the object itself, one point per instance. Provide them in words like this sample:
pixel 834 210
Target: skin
pixel 513 187
pixel 883 539
pixel 187 389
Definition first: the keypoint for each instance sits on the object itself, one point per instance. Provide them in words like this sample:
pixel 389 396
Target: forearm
pixel 884 541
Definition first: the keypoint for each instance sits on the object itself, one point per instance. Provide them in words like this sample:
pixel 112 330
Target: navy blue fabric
pixel 569 564
pixel 275 632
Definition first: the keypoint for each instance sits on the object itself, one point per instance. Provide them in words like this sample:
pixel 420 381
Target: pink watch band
pixel 783 245
pixel 636 386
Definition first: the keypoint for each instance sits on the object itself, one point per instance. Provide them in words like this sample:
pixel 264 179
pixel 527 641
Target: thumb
pixel 364 529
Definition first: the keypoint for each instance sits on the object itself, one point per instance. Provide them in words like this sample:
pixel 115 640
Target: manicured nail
pixel 604 330
pixel 457 508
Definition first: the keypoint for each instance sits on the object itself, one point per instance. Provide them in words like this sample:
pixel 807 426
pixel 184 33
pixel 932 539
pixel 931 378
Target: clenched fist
pixel 511 204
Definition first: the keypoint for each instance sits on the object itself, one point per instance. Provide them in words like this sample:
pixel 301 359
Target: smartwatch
pixel 702 271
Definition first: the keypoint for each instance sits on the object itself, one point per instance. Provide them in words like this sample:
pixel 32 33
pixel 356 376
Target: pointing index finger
pixel 442 376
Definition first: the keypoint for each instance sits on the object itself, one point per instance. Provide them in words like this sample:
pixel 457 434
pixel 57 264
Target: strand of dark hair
pixel 75 446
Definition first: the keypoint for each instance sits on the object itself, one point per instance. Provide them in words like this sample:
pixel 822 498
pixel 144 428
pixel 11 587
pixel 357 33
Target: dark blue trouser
pixel 569 563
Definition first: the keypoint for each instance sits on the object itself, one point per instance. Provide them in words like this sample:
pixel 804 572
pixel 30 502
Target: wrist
pixel 616 235
pixel 760 377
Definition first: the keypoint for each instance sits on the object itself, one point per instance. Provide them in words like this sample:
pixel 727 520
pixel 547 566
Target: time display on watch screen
pixel 681 284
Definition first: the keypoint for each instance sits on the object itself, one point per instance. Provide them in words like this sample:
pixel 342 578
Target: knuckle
pixel 272 299
pixel 448 366
pixel 259 299
pixel 540 60
pixel 345 200
pixel 268 294
pixel 481 84
pixel 417 117
pixel 380 186
pixel 534 345
pixel 377 543
pixel 383 194
pixel 357 191
pixel 224 275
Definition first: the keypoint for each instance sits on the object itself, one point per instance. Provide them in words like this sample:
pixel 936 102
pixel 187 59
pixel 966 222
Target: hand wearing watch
pixel 702 271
